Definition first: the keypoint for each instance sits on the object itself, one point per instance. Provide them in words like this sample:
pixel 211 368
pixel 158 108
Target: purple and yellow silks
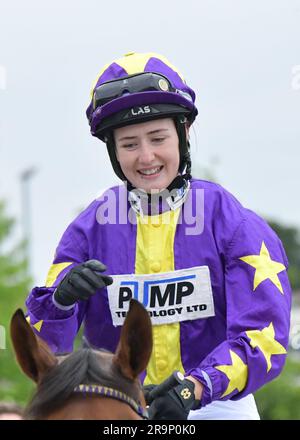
pixel 237 350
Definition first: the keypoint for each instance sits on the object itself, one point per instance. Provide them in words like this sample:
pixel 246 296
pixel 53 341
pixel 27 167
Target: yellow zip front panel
pixel 155 254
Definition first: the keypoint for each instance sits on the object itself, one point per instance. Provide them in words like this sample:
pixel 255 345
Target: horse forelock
pixel 85 366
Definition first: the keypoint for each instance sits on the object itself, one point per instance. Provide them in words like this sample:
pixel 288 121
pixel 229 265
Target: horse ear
pixel 33 354
pixel 135 345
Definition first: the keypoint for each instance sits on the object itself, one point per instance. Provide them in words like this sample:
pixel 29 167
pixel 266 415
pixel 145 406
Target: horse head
pixel 89 383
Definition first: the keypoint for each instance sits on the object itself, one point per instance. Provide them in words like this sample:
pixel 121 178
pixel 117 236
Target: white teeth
pixel 149 172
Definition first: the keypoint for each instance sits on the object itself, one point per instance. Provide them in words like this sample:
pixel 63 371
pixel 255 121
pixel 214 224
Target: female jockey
pixel 211 273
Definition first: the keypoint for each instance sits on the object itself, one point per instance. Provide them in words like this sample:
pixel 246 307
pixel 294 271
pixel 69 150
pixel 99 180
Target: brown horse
pixel 87 384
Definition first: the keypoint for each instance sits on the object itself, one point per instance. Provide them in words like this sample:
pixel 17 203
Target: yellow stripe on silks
pixel 155 253
pixel 54 271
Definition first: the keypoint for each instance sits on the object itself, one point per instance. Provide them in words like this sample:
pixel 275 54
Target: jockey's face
pixel 148 153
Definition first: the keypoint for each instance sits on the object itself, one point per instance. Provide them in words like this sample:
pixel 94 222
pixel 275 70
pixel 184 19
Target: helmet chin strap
pixel 144 203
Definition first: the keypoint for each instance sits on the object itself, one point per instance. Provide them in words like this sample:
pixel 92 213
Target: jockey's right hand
pixel 172 399
pixel 81 282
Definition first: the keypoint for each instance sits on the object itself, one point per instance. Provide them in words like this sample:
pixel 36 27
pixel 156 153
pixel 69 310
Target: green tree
pixel 280 399
pixel 14 285
pixel 290 238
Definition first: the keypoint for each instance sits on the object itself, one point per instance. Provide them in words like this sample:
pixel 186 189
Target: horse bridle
pixel 114 394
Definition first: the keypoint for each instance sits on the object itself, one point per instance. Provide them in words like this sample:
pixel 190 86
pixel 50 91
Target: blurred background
pixel 243 60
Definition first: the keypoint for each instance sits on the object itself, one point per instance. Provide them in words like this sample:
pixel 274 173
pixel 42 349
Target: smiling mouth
pixel 150 171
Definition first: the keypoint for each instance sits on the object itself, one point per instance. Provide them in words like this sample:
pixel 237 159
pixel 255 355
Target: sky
pixel 241 57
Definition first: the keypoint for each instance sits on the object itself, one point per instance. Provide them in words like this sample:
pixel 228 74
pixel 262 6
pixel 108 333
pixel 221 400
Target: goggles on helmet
pixel 141 82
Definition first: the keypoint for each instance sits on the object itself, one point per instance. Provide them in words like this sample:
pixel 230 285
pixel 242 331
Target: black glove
pixel 81 282
pixel 171 400
pixel 147 393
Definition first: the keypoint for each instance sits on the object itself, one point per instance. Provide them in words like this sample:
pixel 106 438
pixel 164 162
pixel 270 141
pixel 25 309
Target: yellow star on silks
pixel 265 268
pixel 237 373
pixel 38 325
pixel 265 340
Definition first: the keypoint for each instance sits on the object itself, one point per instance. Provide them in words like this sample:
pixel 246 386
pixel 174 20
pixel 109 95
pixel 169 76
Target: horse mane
pixel 84 366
